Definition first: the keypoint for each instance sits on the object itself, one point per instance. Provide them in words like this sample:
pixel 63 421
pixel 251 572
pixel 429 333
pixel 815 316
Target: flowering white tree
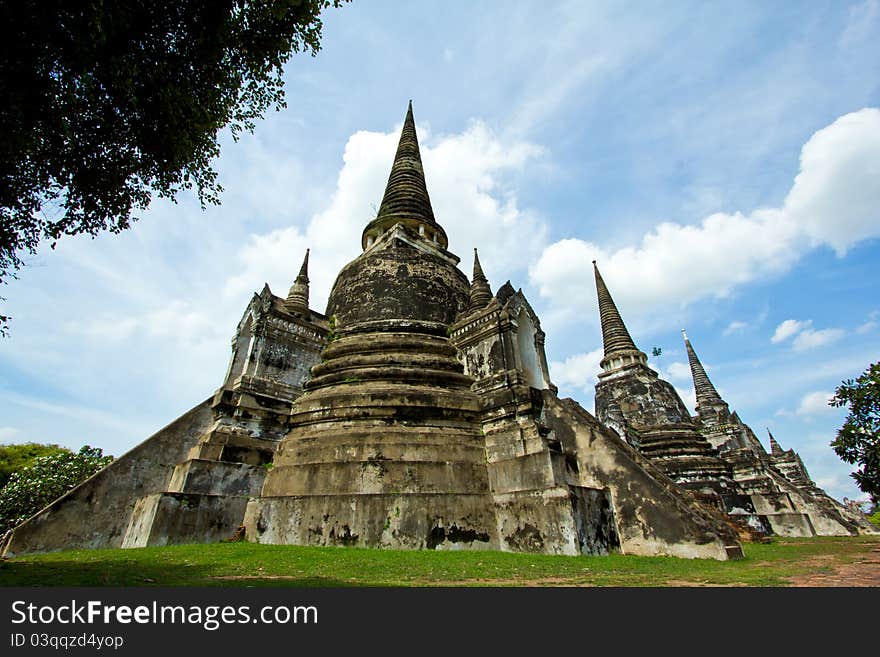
pixel 45 480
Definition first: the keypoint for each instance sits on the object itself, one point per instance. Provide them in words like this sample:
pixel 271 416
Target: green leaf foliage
pixel 858 440
pixel 46 479
pixel 108 103
pixel 15 457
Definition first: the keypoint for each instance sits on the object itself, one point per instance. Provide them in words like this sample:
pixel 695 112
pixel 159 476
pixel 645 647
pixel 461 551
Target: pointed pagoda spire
pixel 298 298
pixel 707 396
pixel 481 293
pixel 615 337
pixel 775 449
pixel 304 268
pixel 406 197
pixel 406 193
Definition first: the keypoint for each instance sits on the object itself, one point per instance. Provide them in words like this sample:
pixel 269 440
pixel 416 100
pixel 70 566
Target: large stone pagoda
pixel 713 454
pixel 785 499
pixel 417 412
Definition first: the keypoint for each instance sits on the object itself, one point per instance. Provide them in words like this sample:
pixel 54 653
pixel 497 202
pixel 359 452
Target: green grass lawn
pixel 248 564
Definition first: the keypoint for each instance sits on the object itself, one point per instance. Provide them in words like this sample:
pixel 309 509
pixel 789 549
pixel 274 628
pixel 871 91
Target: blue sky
pixel 720 160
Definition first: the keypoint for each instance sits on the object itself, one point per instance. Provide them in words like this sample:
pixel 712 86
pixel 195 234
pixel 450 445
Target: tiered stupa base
pixel 386 450
pixel 685 457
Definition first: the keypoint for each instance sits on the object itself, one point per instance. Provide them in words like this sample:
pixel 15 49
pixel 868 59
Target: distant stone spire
pixel 775 449
pixel 406 194
pixel 298 298
pixel 707 396
pixel 615 337
pixel 481 293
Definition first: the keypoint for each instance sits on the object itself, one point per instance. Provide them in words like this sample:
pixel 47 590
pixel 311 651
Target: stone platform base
pixel 178 518
pixel 790 524
pixel 568 520
pixel 402 521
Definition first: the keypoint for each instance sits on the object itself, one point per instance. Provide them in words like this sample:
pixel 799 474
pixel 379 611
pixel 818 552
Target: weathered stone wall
pixel 174 518
pixel 384 449
pixel 652 515
pixel 400 278
pixel 274 350
pixel 433 521
pixel 286 351
pixel 537 508
pixel 775 499
pixel 218 478
pixel 649 415
pixel 540 520
pixel 483 355
pixel 644 399
pixel 502 345
pixel 563 484
pixel 96 513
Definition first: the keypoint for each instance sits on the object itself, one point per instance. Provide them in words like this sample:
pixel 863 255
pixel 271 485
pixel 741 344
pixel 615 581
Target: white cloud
pixel 556 88
pixel 834 201
pixel 870 324
pixel 677 372
pixel 464 174
pixel 788 328
pixel 333 234
pixel 661 271
pixel 805 337
pixel 836 195
pixel 106 327
pixel 815 403
pixel 577 372
pixel 95 416
pixel 8 433
pixel 735 327
pixel 689 397
pixel 828 482
pixel 811 339
pixel 174 319
pixel 862 21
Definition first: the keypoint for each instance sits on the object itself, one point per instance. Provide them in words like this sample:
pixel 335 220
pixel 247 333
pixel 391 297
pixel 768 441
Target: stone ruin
pixel 714 454
pixel 418 412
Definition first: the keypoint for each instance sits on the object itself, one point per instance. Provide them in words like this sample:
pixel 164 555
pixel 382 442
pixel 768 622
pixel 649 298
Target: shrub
pixel 15 457
pixel 45 480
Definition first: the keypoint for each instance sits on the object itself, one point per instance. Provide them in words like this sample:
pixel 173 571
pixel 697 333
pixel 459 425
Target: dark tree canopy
pixel 106 103
pixel 858 440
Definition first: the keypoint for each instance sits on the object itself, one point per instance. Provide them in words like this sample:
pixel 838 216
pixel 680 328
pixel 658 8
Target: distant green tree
pixel 858 440
pixel 15 457
pixel 106 103
pixel 45 480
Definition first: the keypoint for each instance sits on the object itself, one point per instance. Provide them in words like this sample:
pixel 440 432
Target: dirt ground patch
pixel 864 570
